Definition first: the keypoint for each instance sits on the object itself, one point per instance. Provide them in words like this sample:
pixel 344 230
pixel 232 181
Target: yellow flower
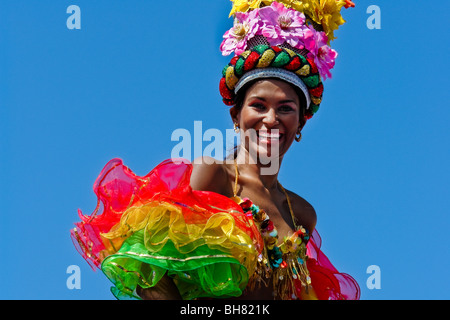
pixel 239 6
pixel 245 5
pixel 326 13
pixel 297 5
pixel 294 4
pixel 257 3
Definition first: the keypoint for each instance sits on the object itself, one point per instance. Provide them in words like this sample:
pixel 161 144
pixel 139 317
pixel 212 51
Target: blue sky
pixel 373 161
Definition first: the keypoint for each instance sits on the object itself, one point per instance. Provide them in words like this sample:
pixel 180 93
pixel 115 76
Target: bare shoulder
pixel 209 174
pixel 304 211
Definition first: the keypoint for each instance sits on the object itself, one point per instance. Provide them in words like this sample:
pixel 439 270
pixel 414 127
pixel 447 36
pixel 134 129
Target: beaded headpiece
pixel 284 39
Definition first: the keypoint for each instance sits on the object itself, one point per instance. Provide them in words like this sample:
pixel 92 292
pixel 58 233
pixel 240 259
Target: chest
pixel 277 209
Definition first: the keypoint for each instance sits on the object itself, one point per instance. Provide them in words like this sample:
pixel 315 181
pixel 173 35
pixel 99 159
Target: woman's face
pixel 270 117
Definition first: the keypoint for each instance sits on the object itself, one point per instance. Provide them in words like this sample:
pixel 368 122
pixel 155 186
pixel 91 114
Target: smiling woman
pixel 191 231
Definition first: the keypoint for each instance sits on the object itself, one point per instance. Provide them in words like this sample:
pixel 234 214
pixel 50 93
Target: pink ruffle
pixel 327 281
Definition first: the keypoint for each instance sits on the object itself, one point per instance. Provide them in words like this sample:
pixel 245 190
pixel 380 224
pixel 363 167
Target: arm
pixel 165 289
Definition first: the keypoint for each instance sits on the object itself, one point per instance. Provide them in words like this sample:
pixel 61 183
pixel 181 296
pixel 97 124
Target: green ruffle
pixel 203 272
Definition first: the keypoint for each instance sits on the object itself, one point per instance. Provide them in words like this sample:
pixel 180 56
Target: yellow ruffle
pixel 164 222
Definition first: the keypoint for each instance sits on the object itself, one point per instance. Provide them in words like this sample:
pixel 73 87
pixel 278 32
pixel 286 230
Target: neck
pixel 267 174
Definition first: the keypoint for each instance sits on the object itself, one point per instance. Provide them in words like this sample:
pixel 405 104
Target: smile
pixel 269 137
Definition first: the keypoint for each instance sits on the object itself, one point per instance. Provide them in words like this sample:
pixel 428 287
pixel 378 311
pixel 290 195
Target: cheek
pixel 291 123
pixel 248 118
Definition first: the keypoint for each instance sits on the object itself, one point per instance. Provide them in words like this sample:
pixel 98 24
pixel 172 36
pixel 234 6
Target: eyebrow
pixel 263 99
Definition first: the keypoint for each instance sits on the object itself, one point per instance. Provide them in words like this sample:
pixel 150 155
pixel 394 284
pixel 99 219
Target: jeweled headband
pixel 284 39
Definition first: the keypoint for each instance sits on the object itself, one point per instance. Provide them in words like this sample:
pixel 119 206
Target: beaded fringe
pixel 290 279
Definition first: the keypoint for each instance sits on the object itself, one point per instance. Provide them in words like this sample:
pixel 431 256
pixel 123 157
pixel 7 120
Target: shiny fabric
pixel 327 281
pixel 145 227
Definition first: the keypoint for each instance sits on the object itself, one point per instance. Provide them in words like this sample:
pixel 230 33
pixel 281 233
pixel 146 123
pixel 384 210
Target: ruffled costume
pixel 212 247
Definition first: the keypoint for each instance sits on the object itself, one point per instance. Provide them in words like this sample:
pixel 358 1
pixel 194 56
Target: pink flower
pixel 245 27
pixel 324 57
pixel 281 24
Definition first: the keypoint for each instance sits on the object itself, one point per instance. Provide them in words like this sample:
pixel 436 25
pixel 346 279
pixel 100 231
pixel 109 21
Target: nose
pixel 270 118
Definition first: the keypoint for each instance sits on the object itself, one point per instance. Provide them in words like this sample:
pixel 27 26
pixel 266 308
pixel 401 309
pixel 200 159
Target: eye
pixel 257 106
pixel 286 108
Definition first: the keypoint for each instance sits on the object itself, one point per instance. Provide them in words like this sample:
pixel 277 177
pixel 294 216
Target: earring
pixel 298 136
pixel 236 128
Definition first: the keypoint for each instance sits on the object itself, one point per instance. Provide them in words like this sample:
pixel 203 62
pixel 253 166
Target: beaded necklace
pixel 284 263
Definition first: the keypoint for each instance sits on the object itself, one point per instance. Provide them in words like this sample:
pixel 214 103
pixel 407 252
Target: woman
pixel 191 232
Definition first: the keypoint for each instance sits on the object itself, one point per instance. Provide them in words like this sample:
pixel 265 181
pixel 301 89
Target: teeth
pixel 269 135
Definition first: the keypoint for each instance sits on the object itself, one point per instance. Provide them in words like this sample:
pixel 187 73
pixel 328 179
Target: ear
pixel 234 114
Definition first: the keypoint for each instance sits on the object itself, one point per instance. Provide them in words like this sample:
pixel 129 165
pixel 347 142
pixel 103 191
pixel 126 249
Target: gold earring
pixel 236 128
pixel 298 136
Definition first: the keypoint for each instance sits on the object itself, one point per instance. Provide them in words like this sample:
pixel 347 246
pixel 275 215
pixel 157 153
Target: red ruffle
pixel 118 188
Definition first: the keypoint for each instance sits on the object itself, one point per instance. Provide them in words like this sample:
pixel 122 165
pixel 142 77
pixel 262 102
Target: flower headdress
pixel 286 39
